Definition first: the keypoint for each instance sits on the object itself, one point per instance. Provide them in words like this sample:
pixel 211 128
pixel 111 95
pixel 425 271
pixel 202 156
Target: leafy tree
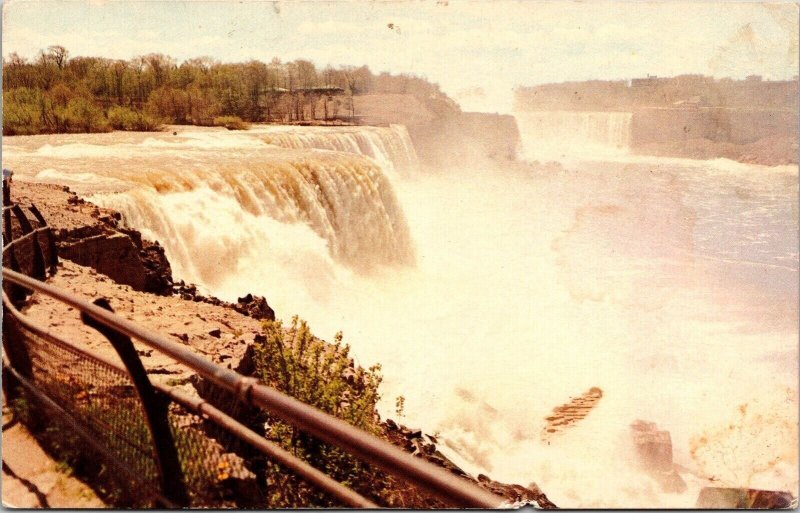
pixel 197 91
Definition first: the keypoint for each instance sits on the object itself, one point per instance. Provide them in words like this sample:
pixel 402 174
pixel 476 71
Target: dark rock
pixel 654 452
pixel 255 307
pixel 413 441
pixel 712 497
pixel 653 447
pixel 215 333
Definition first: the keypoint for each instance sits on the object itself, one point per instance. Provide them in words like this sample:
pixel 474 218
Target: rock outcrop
pixel 424 446
pixel 92 236
pixel 654 452
pixel 743 498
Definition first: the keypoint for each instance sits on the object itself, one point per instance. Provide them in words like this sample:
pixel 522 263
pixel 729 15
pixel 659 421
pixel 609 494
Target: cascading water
pixel 214 194
pixel 391 147
pixel 344 199
pixel 555 135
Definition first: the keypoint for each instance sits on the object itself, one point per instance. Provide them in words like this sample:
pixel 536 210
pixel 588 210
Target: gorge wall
pixel 754 136
pixel 441 133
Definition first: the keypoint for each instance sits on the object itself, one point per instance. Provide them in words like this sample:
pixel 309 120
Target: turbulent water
pixel 393 150
pixel 490 298
pixel 556 135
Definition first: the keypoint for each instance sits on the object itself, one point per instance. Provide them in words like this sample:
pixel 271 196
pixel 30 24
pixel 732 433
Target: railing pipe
pixel 393 460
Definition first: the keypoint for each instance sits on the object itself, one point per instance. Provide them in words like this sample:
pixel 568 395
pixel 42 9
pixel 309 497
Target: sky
pixel 477 51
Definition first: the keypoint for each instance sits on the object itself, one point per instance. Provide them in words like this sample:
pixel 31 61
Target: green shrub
pixel 324 376
pixel 83 115
pixel 22 111
pixel 231 122
pixel 123 118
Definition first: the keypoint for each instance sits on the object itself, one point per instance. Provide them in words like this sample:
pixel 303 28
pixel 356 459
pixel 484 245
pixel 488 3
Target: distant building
pixel 650 81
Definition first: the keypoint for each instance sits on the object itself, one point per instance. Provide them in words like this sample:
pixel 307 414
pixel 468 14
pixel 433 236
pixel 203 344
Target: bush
pixel 22 111
pixel 231 122
pixel 82 115
pixel 324 376
pixel 123 118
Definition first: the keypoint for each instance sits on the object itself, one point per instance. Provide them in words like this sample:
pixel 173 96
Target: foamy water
pixel 669 284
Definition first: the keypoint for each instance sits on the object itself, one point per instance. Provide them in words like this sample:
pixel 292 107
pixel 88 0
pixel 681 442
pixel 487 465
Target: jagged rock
pixel 653 447
pixel 712 497
pixel 182 336
pixel 424 446
pixel 254 306
pixel 217 333
pixel 654 453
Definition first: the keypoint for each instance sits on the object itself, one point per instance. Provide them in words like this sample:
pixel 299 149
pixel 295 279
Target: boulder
pixel 654 455
pixel 255 307
pixel 712 497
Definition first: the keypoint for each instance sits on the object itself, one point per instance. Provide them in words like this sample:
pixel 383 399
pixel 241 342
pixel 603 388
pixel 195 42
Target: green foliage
pixel 38 93
pixel 324 376
pixel 231 122
pixel 32 111
pixel 123 118
pixel 170 103
pixel 22 111
pixel 82 115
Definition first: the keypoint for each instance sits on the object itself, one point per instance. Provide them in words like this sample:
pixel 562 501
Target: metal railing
pixel 156 436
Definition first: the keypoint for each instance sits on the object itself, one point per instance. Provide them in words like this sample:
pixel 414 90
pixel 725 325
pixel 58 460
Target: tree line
pixel 55 93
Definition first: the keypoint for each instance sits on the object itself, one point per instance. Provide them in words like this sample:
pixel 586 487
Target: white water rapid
pixel 492 297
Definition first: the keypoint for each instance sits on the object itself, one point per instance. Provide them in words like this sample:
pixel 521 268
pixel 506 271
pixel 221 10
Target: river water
pixel 492 297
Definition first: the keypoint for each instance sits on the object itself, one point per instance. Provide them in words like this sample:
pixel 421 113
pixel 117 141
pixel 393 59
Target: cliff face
pixel 717 125
pixel 467 138
pixel 442 134
pixel 91 236
pixel 755 136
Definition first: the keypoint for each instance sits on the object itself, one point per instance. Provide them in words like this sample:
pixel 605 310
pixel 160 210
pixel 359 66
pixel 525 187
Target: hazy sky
pixel 460 45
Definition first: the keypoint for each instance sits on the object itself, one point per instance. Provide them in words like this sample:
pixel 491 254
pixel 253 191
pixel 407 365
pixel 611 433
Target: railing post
pixel 24 224
pixel 37 258
pixel 155 410
pixel 7 232
pixel 6 192
pixel 15 292
pixel 52 251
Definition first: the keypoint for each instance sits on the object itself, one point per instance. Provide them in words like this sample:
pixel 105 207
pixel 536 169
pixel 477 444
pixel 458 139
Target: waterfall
pixel 221 201
pixel 390 147
pixel 557 134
